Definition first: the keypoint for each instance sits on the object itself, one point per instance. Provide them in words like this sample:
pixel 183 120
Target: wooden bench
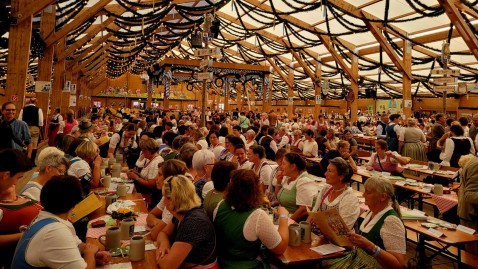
pixel 466 257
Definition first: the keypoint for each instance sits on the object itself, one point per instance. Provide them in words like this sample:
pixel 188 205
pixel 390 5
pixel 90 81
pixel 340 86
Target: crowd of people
pixel 208 188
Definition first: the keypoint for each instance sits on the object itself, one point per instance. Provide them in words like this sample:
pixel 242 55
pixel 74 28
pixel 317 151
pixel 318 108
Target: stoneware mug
pixel 122 189
pixel 106 181
pixel 127 228
pixel 294 235
pixel 136 248
pixel 109 199
pixel 111 240
pixel 305 233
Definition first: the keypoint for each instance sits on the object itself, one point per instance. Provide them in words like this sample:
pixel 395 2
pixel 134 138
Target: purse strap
pixel 379 163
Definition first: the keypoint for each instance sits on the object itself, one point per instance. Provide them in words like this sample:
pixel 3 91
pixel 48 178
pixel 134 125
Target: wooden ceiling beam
pixel 85 63
pixel 465 8
pixel 97 64
pixel 33 8
pixel 92 32
pixel 83 16
pixel 281 75
pixel 304 66
pixel 458 21
pixel 386 47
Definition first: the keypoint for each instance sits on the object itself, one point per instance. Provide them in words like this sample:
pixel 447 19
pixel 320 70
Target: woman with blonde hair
pixel 189 240
pixel 411 141
pixel 87 153
pixel 380 242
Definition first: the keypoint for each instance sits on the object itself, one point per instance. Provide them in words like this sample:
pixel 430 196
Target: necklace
pixel 9 201
pixel 340 190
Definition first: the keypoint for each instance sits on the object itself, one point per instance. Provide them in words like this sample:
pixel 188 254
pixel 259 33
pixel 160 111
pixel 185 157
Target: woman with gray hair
pixel 203 161
pixel 52 162
pixel 380 242
pixel 250 141
pixel 337 194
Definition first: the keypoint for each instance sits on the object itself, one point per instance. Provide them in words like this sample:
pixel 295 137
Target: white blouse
pixel 392 232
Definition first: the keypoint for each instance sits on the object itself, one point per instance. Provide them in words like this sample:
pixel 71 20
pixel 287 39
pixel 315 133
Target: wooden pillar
pixel 45 64
pixel 354 85
pixel 18 55
pixel 252 101
pixel 74 81
pixel 166 97
pixel 407 83
pixel 239 95
pixel 65 95
pixel 318 89
pixel 267 92
pixel 290 94
pixel 149 91
pixel 227 95
pixel 58 77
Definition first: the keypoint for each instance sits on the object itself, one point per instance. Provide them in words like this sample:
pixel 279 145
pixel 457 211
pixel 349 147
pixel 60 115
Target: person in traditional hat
pixel 86 128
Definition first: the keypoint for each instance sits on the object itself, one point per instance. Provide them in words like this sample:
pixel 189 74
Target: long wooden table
pixel 450 238
pixel 149 261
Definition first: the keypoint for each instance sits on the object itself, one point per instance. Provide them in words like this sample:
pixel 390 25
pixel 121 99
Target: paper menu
pixel 327 249
pixel 332 226
pixel 85 207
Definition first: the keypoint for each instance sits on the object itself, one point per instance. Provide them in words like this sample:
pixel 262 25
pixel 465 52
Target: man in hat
pixel 33 116
pixel 85 127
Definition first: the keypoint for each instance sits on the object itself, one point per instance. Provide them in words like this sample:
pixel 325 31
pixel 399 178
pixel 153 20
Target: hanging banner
pixel 390 106
pixel 43 86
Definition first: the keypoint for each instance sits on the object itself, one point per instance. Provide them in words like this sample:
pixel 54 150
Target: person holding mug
pixel 50 240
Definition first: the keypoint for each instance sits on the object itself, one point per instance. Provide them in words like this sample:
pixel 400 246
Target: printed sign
pixel 43 86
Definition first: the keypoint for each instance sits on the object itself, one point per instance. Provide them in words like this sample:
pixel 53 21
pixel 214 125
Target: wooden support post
pixel 266 97
pixel 354 85
pixel 166 99
pixel 318 89
pixel 227 95
pixel 290 93
pixel 407 82
pixel 45 64
pixel 149 91
pixel 239 88
pixel 58 77
pixel 18 55
pixel 65 95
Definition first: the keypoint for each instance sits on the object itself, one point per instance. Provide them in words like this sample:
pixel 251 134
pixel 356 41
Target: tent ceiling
pixel 254 31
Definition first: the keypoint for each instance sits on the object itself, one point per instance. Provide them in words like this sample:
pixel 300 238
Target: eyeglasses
pixel 61 171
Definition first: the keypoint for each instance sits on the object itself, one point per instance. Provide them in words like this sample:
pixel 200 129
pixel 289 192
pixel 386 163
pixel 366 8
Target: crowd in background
pixel 215 180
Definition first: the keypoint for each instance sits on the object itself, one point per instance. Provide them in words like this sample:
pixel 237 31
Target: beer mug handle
pixel 102 241
pixel 101 181
pixel 127 189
